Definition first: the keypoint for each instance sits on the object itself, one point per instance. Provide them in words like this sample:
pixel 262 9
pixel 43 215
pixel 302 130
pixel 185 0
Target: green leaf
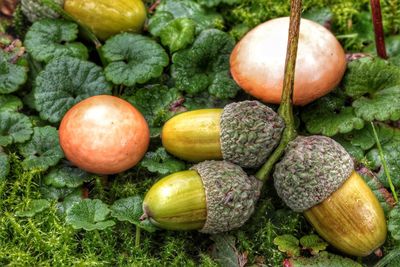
pixel 178 34
pixel 10 103
pixel 189 9
pixel 382 105
pixel 329 116
pixel 375 84
pixel 157 103
pixel 89 214
pixel 14 128
pixel 12 76
pixel 224 251
pixel 161 162
pixel 384 197
pixel 65 82
pixel 391 152
pixel 158 21
pixel 214 3
pixel 365 139
pixel 130 209
pixel 205 65
pixel 4 165
pixel 66 176
pixel 43 150
pixel 394 223
pixel 34 207
pixel 133 59
pixel 288 244
pixel 68 201
pixel 313 243
pixel 354 151
pixel 323 259
pixel 321 15
pixel 49 38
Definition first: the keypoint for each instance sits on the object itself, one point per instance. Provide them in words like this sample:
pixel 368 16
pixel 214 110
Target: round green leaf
pixel 178 34
pixel 161 162
pixel 205 65
pixel 288 244
pixel 89 214
pixel 14 128
pixel 34 206
pixel 66 176
pixel 4 165
pixel 10 103
pixel 65 82
pixel 130 209
pixel 133 59
pixel 49 38
pixel 329 116
pixel 159 21
pixel 12 76
pixel 43 150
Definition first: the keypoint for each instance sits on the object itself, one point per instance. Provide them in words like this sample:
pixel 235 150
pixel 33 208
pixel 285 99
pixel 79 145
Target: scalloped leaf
pixel 161 162
pixel 66 176
pixel 34 207
pixel 158 21
pixel 65 82
pixel 355 151
pixel 12 76
pixel 394 223
pixel 133 59
pixel 205 65
pixel 50 38
pixel 10 103
pixel 14 128
pixel 323 259
pixel 288 244
pixel 130 209
pixel 365 139
pixel 391 152
pixel 157 103
pixel 329 116
pixel 204 18
pixel 178 34
pixel 43 150
pixel 381 105
pixel 313 243
pixel 89 214
pixel 4 165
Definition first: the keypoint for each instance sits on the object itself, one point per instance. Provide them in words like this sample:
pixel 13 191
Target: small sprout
pixel 288 244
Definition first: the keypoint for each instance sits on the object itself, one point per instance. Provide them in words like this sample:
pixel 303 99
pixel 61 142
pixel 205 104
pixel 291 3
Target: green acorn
pixel 316 176
pixel 34 10
pixel 244 133
pixel 212 197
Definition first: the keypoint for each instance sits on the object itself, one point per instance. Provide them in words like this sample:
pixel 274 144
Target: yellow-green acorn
pixel 244 133
pixel 316 176
pixel 212 197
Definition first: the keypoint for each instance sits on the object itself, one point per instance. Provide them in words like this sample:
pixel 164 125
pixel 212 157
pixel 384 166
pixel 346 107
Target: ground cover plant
pixel 55 214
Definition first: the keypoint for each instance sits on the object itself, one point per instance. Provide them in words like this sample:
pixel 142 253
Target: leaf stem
pixel 137 237
pixel 286 106
pixel 378 28
pixel 385 167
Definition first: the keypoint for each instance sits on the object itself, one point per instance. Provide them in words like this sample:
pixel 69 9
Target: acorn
pixel 212 197
pixel 105 18
pixel 316 176
pixel 244 133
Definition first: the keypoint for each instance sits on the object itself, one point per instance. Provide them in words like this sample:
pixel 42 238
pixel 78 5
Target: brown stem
pixel 378 28
pixel 154 6
pixel 286 107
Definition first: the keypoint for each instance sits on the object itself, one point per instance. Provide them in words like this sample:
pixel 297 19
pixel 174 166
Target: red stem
pixel 378 28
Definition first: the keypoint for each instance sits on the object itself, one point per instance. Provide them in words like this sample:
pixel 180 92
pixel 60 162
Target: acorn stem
pixel 88 33
pixel 286 106
pixel 378 28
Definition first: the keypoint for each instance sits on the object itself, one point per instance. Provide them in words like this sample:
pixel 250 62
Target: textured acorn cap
pixel 311 170
pixel 249 133
pixel 34 10
pixel 231 195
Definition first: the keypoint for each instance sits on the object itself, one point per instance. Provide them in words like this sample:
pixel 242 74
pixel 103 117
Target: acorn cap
pixel 311 170
pixel 249 133
pixel 34 10
pixel 231 195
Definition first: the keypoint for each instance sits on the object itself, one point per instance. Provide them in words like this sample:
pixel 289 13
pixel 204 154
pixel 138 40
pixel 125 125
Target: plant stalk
pixel 137 237
pixel 286 106
pixel 384 164
pixel 378 29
